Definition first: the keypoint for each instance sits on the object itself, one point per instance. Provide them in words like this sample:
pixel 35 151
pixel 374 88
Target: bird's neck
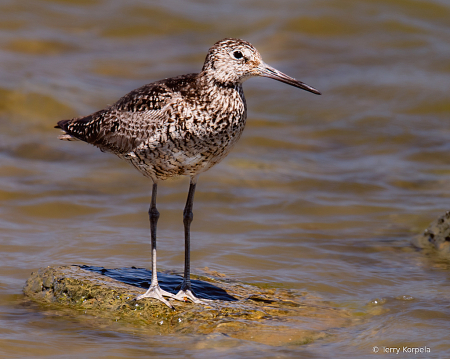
pixel 213 90
pixel 213 78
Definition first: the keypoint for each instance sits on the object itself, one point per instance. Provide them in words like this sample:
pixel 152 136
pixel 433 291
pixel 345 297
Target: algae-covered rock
pixel 436 236
pixel 270 316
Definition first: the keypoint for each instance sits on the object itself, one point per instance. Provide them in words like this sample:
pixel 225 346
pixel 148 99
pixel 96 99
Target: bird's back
pixel 123 126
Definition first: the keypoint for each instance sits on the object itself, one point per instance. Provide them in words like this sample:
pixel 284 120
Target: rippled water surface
pixel 322 194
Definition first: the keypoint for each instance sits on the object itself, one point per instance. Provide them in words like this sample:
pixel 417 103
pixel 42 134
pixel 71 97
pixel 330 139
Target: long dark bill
pixel 268 71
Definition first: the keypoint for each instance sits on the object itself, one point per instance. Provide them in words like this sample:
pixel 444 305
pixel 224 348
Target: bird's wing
pixel 123 126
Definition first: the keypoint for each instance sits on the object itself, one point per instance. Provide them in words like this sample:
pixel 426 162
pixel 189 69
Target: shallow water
pixel 322 193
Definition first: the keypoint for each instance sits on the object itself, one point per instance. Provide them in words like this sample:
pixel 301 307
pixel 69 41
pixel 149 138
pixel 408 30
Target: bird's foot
pixel 186 294
pixel 156 292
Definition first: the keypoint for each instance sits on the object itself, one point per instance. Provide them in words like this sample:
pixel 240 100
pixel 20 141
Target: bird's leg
pixel 154 291
pixel 185 289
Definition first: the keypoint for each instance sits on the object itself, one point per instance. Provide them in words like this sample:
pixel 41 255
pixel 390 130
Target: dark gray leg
pixel 154 291
pixel 188 216
pixel 185 290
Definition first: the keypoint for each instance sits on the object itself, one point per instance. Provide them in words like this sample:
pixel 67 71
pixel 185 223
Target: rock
pixel 436 236
pixel 270 316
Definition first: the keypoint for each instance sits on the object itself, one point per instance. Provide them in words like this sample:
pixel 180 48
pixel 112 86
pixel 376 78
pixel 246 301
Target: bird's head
pixel 232 61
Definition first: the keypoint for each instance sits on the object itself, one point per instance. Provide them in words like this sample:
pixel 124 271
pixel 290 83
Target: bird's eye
pixel 238 55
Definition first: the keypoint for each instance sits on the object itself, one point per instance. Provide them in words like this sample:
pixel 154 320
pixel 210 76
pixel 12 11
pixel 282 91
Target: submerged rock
pixel 270 316
pixel 436 236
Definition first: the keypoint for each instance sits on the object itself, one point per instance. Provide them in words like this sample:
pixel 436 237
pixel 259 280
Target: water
pixel 322 193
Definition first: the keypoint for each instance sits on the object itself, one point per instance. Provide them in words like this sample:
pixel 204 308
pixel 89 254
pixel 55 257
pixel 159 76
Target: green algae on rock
pixel 271 316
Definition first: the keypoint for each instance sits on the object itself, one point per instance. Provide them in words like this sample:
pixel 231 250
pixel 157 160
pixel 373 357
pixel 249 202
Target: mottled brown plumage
pixel 179 126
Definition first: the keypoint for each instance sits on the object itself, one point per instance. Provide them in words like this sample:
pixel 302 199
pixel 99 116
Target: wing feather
pixel 123 126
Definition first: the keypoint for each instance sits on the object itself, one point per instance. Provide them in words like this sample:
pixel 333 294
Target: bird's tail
pixel 65 136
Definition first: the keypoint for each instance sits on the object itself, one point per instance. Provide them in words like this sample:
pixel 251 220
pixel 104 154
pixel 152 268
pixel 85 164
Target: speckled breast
pixel 195 138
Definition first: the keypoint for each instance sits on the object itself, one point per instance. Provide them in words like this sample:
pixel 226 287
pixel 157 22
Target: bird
pixel 179 126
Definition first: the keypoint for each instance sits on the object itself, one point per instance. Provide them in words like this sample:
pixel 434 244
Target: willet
pixel 180 126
